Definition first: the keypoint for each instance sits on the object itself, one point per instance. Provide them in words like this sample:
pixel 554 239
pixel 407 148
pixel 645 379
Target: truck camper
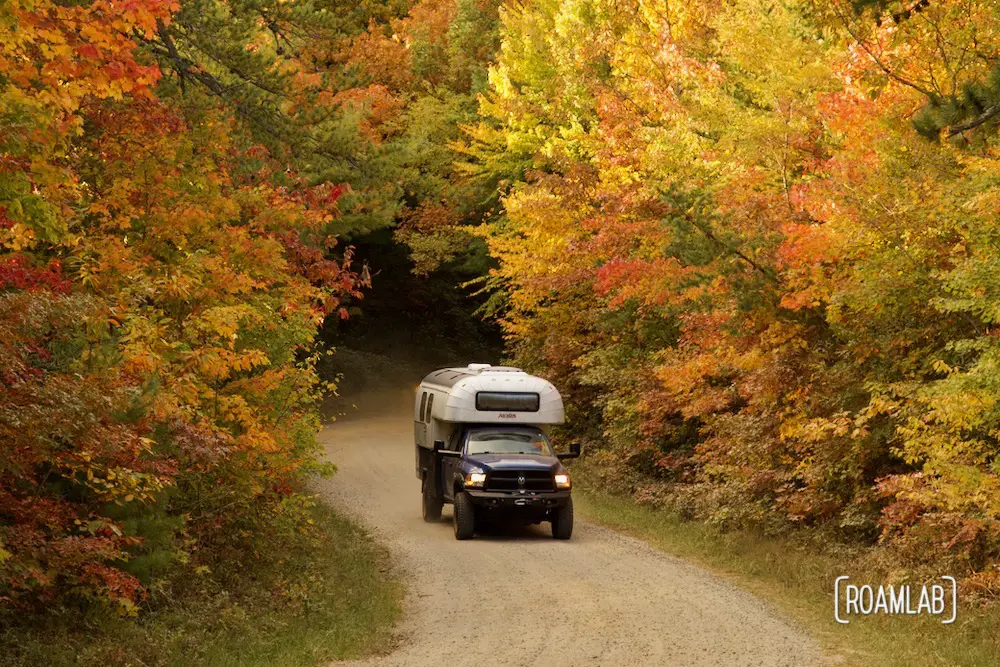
pixel 482 444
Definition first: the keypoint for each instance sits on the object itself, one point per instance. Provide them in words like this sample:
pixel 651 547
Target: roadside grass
pixel 798 579
pixel 303 604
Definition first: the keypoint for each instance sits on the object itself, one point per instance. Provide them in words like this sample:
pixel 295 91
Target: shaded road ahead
pixel 522 598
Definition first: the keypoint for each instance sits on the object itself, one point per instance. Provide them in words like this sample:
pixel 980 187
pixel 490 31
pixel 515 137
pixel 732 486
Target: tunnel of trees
pixel 755 243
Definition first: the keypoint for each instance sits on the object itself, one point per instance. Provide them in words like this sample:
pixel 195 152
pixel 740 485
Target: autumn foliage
pixel 162 279
pixel 756 243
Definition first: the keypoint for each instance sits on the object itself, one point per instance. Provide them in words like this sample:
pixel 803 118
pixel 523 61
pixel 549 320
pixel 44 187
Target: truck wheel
pixel 562 521
pixel 465 517
pixel 431 504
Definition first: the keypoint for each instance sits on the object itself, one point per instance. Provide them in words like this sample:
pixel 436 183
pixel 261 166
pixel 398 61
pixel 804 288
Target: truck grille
pixel 509 480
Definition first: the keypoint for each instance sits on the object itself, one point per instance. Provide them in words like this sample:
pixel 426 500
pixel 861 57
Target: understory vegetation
pixel 326 594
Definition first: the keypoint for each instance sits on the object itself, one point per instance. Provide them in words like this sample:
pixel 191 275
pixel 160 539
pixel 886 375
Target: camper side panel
pixel 428 408
pixel 420 431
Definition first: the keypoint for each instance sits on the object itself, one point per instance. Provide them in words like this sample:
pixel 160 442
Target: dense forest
pixel 755 243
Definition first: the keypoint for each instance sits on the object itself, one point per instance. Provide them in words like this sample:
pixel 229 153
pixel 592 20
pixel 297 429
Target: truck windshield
pixel 507 440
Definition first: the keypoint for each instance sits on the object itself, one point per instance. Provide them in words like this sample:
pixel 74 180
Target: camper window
pixel 492 401
pixel 423 404
pixel 430 404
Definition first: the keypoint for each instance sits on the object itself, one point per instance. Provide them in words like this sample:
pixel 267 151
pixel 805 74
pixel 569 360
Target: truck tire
pixel 465 517
pixel 431 503
pixel 562 521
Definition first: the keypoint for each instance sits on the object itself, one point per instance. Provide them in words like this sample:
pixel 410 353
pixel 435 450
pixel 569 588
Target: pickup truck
pixel 494 472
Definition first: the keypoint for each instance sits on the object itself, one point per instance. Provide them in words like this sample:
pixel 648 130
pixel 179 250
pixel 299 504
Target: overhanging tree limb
pixel 975 122
pixel 706 229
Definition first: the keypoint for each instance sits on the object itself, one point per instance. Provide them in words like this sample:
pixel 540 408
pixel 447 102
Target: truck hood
pixel 518 461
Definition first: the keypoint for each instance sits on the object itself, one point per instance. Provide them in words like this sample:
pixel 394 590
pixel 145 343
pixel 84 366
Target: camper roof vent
pixel 479 369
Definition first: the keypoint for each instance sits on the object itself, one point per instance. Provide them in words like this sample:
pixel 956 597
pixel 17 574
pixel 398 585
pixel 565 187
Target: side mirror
pixel 574 452
pixel 439 450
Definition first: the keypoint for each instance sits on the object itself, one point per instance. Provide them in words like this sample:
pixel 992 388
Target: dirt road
pixel 522 598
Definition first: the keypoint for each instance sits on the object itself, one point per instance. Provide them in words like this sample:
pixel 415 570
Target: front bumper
pixel 499 500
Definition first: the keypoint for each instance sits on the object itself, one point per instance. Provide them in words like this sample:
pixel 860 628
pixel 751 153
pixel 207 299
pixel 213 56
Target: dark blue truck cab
pixel 497 472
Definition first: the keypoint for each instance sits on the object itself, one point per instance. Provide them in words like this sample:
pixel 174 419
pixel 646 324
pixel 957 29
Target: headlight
pixel 562 481
pixel 475 479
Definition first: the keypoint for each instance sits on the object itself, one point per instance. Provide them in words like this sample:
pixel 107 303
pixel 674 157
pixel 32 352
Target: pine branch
pixel 975 122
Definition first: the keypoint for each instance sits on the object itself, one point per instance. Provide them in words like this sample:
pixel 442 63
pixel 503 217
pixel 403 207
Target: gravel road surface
pixel 518 597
